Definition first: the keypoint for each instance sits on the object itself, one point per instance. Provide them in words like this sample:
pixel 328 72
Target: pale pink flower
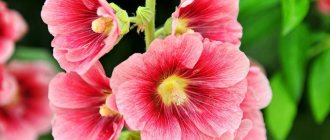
pixel 84 31
pixel 12 28
pixel 182 88
pixel 84 106
pixel 214 19
pixel 259 92
pixel 27 115
pixel 324 6
pixel 258 96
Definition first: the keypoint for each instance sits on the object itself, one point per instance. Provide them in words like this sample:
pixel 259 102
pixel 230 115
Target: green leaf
pixel 33 54
pixel 294 11
pixel 293 51
pixel 282 111
pixel 130 135
pixel 255 6
pixel 259 25
pixel 319 88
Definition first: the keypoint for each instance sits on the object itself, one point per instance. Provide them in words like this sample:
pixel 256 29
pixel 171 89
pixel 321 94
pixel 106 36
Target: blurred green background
pixel 288 37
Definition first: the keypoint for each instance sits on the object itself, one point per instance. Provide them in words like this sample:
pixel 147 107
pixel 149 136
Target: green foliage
pixel 294 11
pixel 259 25
pixel 282 111
pixel 130 135
pixel 319 89
pixel 34 54
pixel 293 52
pixel 254 6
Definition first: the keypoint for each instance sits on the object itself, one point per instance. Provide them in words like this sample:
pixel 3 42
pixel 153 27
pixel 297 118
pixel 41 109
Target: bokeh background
pixel 290 38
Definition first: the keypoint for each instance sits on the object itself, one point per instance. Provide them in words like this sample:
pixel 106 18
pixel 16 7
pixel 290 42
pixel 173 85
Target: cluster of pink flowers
pixel 24 109
pixel 192 84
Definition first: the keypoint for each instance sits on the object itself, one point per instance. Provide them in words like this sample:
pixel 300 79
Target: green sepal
pixel 122 17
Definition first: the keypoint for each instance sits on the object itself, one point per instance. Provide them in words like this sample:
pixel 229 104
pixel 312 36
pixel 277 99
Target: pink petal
pixel 6 49
pixel 71 91
pixel 220 65
pixel 165 126
pixel 96 77
pixel 186 48
pixel 129 97
pixel 126 71
pixel 258 131
pixel 213 19
pixel 86 123
pixel 8 87
pixel 259 92
pixel 221 106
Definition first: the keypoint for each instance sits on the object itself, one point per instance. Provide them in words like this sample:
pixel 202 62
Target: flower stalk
pixel 150 28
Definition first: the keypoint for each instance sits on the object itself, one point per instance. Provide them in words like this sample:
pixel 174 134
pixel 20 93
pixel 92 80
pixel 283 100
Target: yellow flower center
pixel 182 27
pixel 102 25
pixel 172 90
pixel 105 111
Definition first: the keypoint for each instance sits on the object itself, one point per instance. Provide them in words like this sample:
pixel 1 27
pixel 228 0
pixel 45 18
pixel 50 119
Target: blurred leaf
pixel 130 135
pixel 33 54
pixel 282 111
pixel 319 89
pixel 46 137
pixel 254 6
pixel 293 52
pixel 294 11
pixel 259 25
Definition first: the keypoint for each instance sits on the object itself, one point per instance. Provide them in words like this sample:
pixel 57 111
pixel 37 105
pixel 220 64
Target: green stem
pixel 132 19
pixel 150 28
pixel 159 32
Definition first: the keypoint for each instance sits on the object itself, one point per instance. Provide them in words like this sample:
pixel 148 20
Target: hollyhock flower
pixel 12 28
pixel 214 19
pixel 324 6
pixel 84 31
pixel 27 115
pixel 182 88
pixel 258 96
pixel 84 106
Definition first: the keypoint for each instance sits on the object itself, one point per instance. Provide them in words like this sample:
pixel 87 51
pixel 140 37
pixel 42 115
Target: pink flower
pixel 27 115
pixel 12 28
pixel 324 6
pixel 84 31
pixel 259 92
pixel 182 88
pixel 8 86
pixel 214 19
pixel 258 96
pixel 84 106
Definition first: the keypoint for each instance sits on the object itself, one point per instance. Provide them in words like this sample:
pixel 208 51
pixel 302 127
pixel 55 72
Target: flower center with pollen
pixel 182 27
pixel 105 111
pixel 172 90
pixel 102 25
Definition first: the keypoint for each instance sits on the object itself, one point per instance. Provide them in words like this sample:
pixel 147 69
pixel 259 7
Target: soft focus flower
pixel 324 6
pixel 182 88
pixel 84 106
pixel 84 31
pixel 214 19
pixel 12 28
pixel 27 115
pixel 8 86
